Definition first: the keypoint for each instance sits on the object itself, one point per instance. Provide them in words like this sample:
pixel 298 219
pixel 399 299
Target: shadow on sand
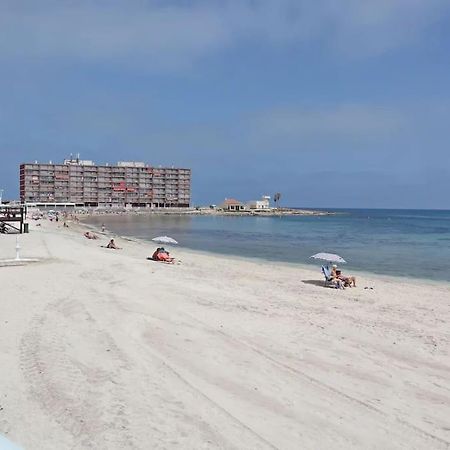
pixel 314 282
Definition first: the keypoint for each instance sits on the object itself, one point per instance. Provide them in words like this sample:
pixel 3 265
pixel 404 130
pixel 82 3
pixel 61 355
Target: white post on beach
pixel 17 248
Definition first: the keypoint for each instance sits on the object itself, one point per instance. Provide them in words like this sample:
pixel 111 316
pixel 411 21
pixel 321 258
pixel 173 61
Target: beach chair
pixel 329 281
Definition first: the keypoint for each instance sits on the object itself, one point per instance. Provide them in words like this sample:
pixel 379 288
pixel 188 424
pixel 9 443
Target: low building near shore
pixel 230 204
pixel 262 204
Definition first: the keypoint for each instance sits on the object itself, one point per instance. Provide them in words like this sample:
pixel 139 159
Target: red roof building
pixel 230 204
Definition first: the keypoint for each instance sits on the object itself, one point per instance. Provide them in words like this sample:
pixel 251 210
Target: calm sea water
pixel 394 242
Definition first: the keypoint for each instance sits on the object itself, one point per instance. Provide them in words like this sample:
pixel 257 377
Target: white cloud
pixel 343 121
pixel 376 26
pixel 159 36
pixel 355 27
pixel 174 34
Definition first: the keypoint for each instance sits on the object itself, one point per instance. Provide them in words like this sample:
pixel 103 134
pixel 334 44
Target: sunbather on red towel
pixel 163 256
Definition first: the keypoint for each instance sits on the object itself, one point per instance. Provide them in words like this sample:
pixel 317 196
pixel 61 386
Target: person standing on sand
pixel 103 228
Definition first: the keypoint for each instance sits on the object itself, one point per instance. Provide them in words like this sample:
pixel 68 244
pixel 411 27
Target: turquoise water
pixel 395 242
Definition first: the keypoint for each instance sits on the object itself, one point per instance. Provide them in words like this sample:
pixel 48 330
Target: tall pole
pixel 17 249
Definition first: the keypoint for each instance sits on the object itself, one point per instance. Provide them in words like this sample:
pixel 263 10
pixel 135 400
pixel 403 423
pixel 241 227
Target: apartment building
pixel 85 183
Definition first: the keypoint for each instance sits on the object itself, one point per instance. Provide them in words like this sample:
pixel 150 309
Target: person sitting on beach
pixel 332 280
pixel 90 235
pixel 162 255
pixel 337 274
pixel 112 244
pixel 155 254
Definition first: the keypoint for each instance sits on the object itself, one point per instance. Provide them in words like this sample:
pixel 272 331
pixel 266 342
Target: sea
pixel 405 243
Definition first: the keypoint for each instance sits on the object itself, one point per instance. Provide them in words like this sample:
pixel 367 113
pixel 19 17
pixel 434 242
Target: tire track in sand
pixel 444 444
pixel 70 391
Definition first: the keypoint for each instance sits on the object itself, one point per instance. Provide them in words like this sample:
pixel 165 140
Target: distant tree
pixel 276 198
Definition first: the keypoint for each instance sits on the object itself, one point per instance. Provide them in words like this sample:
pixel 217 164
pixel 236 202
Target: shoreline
pixel 103 348
pixel 302 265
pixel 200 211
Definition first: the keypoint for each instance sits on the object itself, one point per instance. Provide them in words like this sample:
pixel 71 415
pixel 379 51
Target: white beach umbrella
pixel 164 240
pixel 330 257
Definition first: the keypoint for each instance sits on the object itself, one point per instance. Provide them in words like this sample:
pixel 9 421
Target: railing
pixel 10 214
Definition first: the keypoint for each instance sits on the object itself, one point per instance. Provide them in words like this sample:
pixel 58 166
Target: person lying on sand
pixel 90 235
pixel 162 255
pixel 337 274
pixel 112 244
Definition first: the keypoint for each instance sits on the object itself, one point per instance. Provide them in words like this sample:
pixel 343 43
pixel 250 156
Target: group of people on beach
pixel 333 275
pixel 160 254
pixel 111 243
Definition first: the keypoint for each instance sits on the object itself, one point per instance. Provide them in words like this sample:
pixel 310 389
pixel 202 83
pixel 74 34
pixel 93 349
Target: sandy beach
pixel 103 349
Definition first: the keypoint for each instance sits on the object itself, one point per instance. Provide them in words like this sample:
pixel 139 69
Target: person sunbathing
pixel 90 235
pixel 337 274
pixel 112 244
pixel 162 255
pixel 155 254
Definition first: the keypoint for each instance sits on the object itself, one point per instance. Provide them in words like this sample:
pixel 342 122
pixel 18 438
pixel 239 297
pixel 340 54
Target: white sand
pixel 102 349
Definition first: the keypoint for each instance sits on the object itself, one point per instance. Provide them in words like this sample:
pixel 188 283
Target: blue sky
pixel 333 104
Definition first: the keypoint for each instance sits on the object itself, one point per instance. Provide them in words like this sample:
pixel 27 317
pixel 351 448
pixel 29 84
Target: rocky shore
pixel 205 212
